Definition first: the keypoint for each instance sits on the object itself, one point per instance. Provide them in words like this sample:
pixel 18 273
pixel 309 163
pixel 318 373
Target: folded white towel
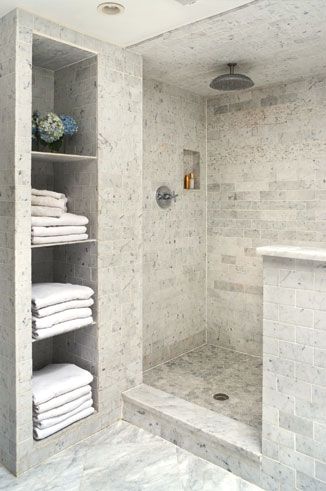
pixel 57 379
pixel 61 307
pixel 48 201
pixel 59 238
pixel 66 315
pixel 64 409
pixel 39 434
pixel 61 328
pixel 47 211
pixel 45 294
pixel 66 219
pixel 63 400
pixel 65 230
pixel 46 192
pixel 47 423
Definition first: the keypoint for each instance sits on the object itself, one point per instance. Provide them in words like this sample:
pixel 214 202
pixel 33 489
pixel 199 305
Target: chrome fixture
pixel 231 81
pixel 110 8
pixel 164 197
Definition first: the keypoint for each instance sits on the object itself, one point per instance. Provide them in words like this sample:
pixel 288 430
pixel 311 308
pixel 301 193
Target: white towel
pixel 66 219
pixel 61 328
pixel 57 379
pixel 45 192
pixel 61 307
pixel 66 315
pixel 60 238
pixel 65 230
pixel 64 409
pixel 63 400
pixel 47 211
pixel 45 294
pixel 40 434
pixel 47 423
pixel 48 201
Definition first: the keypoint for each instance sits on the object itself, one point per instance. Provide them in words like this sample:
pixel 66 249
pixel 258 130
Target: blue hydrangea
pixel 69 124
pixel 50 128
pixel 35 121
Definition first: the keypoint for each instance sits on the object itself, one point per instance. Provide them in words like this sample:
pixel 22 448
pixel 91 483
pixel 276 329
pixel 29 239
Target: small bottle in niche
pixel 191 181
pixel 187 181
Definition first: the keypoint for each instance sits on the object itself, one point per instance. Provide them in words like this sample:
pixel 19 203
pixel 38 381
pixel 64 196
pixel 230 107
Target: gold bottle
pixel 187 181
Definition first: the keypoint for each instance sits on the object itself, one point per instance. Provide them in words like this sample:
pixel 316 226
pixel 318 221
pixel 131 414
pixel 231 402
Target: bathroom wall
pixel 266 185
pixel 174 245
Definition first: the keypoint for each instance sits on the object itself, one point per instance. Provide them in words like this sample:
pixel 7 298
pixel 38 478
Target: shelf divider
pixel 61 157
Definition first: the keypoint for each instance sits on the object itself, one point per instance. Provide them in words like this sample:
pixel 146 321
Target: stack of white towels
pixel 60 307
pixel 62 395
pixel 51 222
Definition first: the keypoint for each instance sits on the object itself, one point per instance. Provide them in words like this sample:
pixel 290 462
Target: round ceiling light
pixel 110 8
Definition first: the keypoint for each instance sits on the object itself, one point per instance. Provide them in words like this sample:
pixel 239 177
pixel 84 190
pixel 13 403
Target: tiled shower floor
pixel 197 375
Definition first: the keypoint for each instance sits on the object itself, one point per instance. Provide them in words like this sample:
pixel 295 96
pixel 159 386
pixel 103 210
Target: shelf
pixel 51 244
pixel 61 157
pixel 60 333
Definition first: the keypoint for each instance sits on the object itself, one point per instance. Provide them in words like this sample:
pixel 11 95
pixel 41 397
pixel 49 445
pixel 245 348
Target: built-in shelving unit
pixel 64 81
pixel 60 157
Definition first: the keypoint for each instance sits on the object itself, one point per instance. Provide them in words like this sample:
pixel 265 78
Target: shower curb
pixel 216 438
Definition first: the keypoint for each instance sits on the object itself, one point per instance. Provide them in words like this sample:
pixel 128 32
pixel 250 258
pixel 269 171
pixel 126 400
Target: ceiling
pixel 272 41
pixel 141 20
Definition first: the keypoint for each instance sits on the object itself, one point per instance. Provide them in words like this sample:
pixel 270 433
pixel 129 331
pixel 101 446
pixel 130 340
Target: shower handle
pixel 164 197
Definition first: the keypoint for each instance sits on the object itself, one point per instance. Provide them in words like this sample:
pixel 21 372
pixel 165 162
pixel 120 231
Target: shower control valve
pixel 164 196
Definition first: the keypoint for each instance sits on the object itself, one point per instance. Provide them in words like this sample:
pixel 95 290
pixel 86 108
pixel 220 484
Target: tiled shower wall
pixel 174 319
pixel 266 185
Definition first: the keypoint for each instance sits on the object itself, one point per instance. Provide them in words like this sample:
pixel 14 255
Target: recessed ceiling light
pixel 110 8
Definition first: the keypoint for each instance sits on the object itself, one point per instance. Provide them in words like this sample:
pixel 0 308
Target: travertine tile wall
pixel 294 381
pixel 266 185
pixel 174 318
pixel 119 236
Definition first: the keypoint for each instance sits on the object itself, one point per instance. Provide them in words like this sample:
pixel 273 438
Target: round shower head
pixel 231 81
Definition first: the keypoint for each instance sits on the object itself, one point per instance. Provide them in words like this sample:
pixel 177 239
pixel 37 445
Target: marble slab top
pixel 293 252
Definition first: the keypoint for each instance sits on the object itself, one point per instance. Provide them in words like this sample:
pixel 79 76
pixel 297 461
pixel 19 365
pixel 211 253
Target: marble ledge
pixel 293 252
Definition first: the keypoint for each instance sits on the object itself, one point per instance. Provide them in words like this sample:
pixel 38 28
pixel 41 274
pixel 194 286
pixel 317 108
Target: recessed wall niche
pixel 191 164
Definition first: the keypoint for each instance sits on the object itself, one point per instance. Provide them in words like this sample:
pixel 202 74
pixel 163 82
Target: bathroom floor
pixel 125 458
pixel 197 375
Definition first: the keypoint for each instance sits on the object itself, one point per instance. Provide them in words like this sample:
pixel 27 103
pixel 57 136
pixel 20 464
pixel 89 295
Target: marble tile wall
pixel 294 381
pixel 266 185
pixel 119 202
pixel 174 317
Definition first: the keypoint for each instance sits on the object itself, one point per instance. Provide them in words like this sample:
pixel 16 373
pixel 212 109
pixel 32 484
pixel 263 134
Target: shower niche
pixel 191 165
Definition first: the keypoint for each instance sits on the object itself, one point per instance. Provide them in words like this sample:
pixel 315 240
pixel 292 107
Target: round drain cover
pixel 220 397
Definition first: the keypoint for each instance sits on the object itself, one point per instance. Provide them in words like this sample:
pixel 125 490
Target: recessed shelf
pixel 60 333
pixel 51 244
pixel 61 157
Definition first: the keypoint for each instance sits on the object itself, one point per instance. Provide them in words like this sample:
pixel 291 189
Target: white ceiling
pixel 141 20
pixel 272 41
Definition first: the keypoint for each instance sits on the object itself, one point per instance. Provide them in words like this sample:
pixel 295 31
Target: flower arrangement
pixel 51 129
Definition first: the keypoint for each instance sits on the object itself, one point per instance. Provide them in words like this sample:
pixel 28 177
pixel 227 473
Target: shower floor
pixel 198 375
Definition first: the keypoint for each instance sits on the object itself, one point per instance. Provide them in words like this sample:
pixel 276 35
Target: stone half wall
pixel 266 185
pixel 294 380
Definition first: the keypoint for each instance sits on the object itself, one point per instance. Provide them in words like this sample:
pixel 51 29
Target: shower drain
pixel 220 397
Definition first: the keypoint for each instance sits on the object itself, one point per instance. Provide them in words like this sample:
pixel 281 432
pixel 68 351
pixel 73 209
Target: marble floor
pixel 197 375
pixel 125 458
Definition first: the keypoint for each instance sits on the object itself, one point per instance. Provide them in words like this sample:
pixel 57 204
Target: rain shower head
pixel 231 81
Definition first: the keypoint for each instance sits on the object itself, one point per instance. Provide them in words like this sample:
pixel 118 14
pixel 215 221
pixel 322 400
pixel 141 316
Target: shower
pixel 231 81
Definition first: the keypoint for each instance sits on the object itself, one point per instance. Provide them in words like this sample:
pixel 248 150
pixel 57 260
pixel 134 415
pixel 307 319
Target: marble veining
pixel 125 458
pixel 197 375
